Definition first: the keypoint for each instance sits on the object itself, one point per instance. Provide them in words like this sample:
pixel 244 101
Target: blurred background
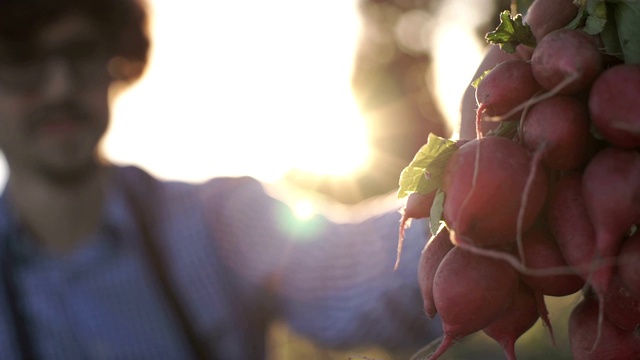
pixel 334 97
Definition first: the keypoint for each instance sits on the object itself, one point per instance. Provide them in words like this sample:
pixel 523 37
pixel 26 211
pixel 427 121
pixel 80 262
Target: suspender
pixel 143 215
pixel 142 206
pixel 22 335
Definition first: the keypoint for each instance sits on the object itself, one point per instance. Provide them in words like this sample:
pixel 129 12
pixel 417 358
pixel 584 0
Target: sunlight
pixel 244 89
pixel 303 209
pixel 335 142
pixel 458 52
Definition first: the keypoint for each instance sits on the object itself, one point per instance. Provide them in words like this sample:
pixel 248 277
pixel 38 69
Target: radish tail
pixel 427 350
pixel 544 315
pixel 600 295
pixel 447 342
pixel 403 225
pixel 510 349
pixel 464 243
pixel 523 116
pixel 535 161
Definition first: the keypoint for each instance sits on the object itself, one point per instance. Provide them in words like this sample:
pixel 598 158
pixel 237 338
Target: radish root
pixel 520 267
pixel 536 99
pixel 544 315
pixel 535 161
pixel 429 349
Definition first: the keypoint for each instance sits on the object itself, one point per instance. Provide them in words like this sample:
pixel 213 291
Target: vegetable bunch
pixel 547 201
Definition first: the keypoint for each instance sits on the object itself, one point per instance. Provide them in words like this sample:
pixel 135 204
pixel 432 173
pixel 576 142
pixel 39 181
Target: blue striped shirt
pixel 239 259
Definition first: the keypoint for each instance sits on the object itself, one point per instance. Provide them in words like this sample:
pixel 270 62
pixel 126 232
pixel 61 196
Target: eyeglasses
pixel 23 67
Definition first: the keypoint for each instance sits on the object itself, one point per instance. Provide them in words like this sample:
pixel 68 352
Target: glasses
pixel 23 68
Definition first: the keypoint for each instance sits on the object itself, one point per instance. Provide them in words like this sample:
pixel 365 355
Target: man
pixel 105 262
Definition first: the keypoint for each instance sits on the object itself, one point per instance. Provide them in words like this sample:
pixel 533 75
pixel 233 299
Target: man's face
pixel 54 105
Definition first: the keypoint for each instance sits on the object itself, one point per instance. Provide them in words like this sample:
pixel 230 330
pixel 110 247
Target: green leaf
pixel 592 17
pixel 617 23
pixel 425 172
pixel 435 216
pixel 597 18
pixel 510 33
pixel 579 20
pixel 505 129
pixel 609 34
pixel 627 15
pixel 477 81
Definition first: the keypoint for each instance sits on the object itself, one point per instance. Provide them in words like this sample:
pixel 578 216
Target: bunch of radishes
pixel 547 203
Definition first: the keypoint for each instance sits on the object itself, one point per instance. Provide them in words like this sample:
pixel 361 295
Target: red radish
pixel 575 235
pixel 479 182
pixel 629 264
pixel 519 317
pixel 541 251
pixel 615 343
pixel 611 190
pixel 559 125
pixel 515 262
pixel 545 16
pixel 572 229
pixel 566 61
pixel 506 86
pixel 470 292
pixel 614 105
pixel 620 306
pixel 418 206
pixel 430 258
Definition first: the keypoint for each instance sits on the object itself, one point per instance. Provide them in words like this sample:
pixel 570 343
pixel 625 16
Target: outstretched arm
pixel 330 280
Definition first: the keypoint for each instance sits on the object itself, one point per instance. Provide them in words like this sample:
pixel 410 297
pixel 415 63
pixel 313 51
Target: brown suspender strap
pixel 146 215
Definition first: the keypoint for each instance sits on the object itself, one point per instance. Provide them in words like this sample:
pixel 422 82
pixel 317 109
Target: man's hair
pixel 123 24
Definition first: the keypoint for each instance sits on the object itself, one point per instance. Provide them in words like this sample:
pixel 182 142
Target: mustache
pixel 70 110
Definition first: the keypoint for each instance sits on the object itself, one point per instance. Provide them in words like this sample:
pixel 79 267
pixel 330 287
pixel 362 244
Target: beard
pixel 66 162
pixel 69 109
pixel 72 175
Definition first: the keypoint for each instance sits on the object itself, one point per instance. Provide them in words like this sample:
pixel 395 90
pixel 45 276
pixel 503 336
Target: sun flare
pixel 232 90
pixel 458 52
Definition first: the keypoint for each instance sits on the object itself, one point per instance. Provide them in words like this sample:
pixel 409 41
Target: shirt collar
pixel 116 227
